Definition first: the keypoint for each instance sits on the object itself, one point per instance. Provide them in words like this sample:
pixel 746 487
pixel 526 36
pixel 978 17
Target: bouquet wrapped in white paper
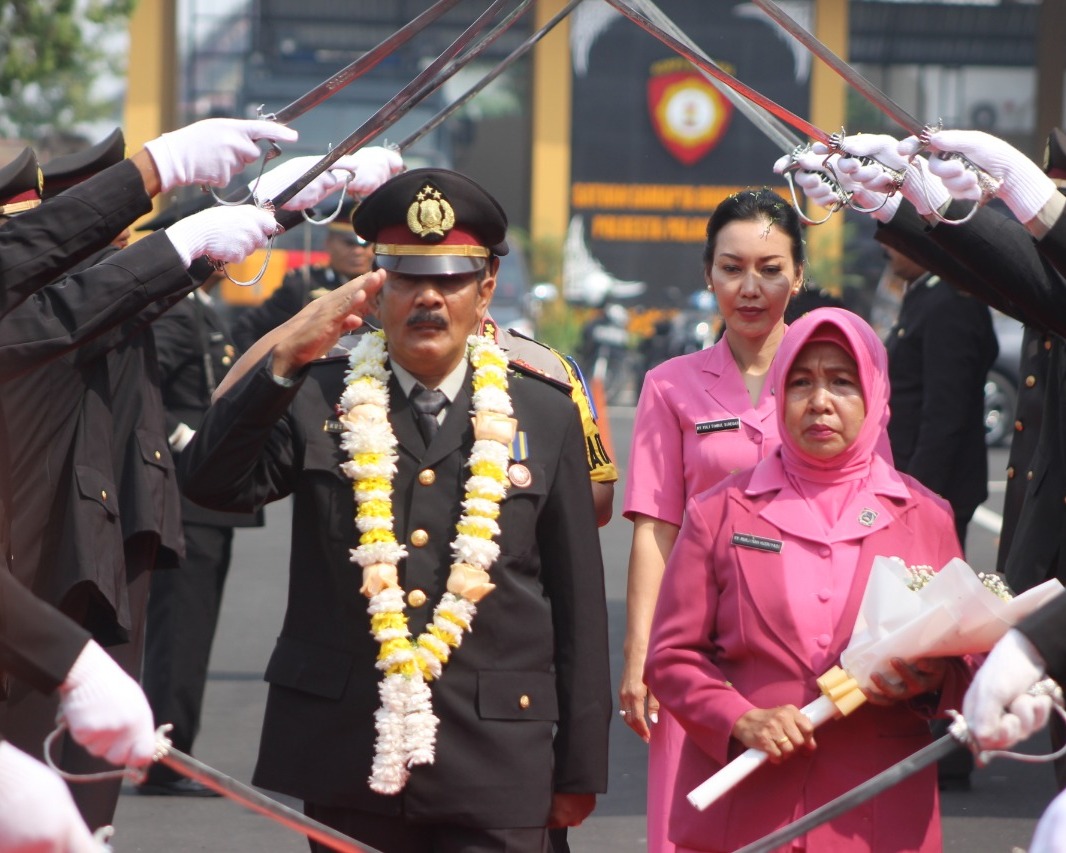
pixel 907 613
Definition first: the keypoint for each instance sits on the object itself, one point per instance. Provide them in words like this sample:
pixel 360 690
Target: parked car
pixel 1001 386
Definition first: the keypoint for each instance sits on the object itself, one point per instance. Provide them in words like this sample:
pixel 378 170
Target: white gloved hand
pixel 364 171
pixel 37 813
pixel 106 710
pixel 815 169
pixel 919 187
pixel 1025 190
pixel 228 234
pixel 212 151
pixel 1011 668
pixel 1051 828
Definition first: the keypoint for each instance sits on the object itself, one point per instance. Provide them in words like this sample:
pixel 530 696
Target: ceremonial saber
pixel 989 185
pixel 250 798
pixel 478 87
pixel 700 60
pixel 428 81
pixel 856 796
pixel 765 121
pixel 369 60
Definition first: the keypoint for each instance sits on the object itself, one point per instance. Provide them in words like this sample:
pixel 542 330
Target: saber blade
pixel 854 79
pixel 858 795
pixel 722 76
pixel 771 127
pixel 257 802
pixel 431 78
pixel 478 87
pixel 327 89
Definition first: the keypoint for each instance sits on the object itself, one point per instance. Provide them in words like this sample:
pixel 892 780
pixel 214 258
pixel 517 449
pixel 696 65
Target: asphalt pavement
pixel 996 815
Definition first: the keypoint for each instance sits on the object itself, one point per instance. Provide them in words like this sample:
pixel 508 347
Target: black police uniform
pixel 524 704
pixel 194 352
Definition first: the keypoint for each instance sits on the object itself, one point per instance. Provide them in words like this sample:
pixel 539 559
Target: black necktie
pixel 428 405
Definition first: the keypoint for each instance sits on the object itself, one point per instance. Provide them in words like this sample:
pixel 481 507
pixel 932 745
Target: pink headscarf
pixel 853 334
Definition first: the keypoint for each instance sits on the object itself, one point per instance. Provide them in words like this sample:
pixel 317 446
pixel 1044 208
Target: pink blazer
pixel 724 640
pixel 694 426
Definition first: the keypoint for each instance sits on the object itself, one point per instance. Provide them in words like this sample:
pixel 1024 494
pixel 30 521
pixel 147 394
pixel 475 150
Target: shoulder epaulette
pixel 528 356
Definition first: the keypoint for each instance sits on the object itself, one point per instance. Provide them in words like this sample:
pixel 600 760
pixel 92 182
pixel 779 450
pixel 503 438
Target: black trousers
pixel 398 835
pixel 183 609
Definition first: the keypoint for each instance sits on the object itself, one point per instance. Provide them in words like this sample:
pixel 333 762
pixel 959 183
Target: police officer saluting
pixel 414 523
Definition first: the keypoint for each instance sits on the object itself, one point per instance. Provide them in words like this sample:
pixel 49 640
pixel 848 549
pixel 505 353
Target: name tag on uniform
pixel 333 426
pixel 717 426
pixel 759 543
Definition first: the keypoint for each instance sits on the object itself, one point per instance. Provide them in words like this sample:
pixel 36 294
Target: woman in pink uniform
pixel 760 596
pixel 701 417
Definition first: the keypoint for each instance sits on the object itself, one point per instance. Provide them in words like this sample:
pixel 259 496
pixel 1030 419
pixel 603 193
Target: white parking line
pixel 990 521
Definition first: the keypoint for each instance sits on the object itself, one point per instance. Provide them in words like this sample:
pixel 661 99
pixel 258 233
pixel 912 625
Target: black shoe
pixel 177 788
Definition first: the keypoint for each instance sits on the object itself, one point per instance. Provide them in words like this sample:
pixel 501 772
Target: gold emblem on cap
pixel 430 215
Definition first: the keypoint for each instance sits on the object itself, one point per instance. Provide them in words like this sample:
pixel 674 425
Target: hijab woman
pixel 760 596
pixel 700 417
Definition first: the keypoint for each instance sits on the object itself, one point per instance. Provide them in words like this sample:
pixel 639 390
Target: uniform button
pixel 1047 343
pixel 1030 381
pixel 523 701
pixel 1028 475
pixel 226 360
pixel 1018 426
pixel 756 439
pixel 823 551
pixel 416 598
pixel 823 595
pixel 1010 473
pixel 419 537
pixel 900 333
pixel 158 455
pixel 103 494
pixel 823 640
pixel 427 477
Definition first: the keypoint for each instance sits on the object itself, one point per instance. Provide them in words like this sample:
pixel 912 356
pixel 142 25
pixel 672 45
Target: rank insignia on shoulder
pixel 332 426
pixel 519 448
pixel 717 426
pixel 759 543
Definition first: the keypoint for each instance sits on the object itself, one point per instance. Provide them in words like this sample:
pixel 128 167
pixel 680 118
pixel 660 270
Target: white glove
pixel 1025 190
pixel 1011 668
pixel 37 813
pixel 212 151
pixel 812 178
pixel 228 234
pixel 920 188
pixel 371 167
pixel 106 710
pixel 1051 828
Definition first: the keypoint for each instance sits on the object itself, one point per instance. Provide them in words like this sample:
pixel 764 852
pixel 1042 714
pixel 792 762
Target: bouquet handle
pixel 840 696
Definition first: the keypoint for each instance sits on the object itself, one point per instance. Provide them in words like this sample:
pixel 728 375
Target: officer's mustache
pixel 427 318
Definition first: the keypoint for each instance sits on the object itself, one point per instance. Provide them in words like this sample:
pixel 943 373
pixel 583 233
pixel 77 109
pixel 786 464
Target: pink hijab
pixel 853 334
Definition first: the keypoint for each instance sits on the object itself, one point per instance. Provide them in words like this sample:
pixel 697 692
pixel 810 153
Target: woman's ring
pixel 623 712
pixel 781 741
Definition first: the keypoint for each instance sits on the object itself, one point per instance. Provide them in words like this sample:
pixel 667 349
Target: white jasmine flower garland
pixel 405 722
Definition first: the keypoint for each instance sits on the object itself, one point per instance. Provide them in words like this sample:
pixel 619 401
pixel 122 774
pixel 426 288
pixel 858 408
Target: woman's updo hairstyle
pixel 754 206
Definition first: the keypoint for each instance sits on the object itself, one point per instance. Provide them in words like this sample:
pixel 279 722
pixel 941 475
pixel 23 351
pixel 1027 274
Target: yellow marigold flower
pixel 471 527
pixel 455 620
pixel 388 622
pixel 484 468
pixel 374 537
pixel 442 656
pixel 375 509
pixel 367 458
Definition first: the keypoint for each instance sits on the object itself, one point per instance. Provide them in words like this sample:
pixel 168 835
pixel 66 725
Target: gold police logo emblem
pixel 430 215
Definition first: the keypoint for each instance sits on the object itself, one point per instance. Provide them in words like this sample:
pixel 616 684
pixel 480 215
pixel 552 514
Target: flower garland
pixel 406 724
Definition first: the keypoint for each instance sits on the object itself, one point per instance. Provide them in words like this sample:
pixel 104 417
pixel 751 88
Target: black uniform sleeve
pixel 36 247
pixel 38 644
pixel 78 308
pixel 1046 629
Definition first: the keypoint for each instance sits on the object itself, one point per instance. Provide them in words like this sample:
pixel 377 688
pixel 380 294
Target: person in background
pixel 760 597
pixel 194 350
pixel 701 417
